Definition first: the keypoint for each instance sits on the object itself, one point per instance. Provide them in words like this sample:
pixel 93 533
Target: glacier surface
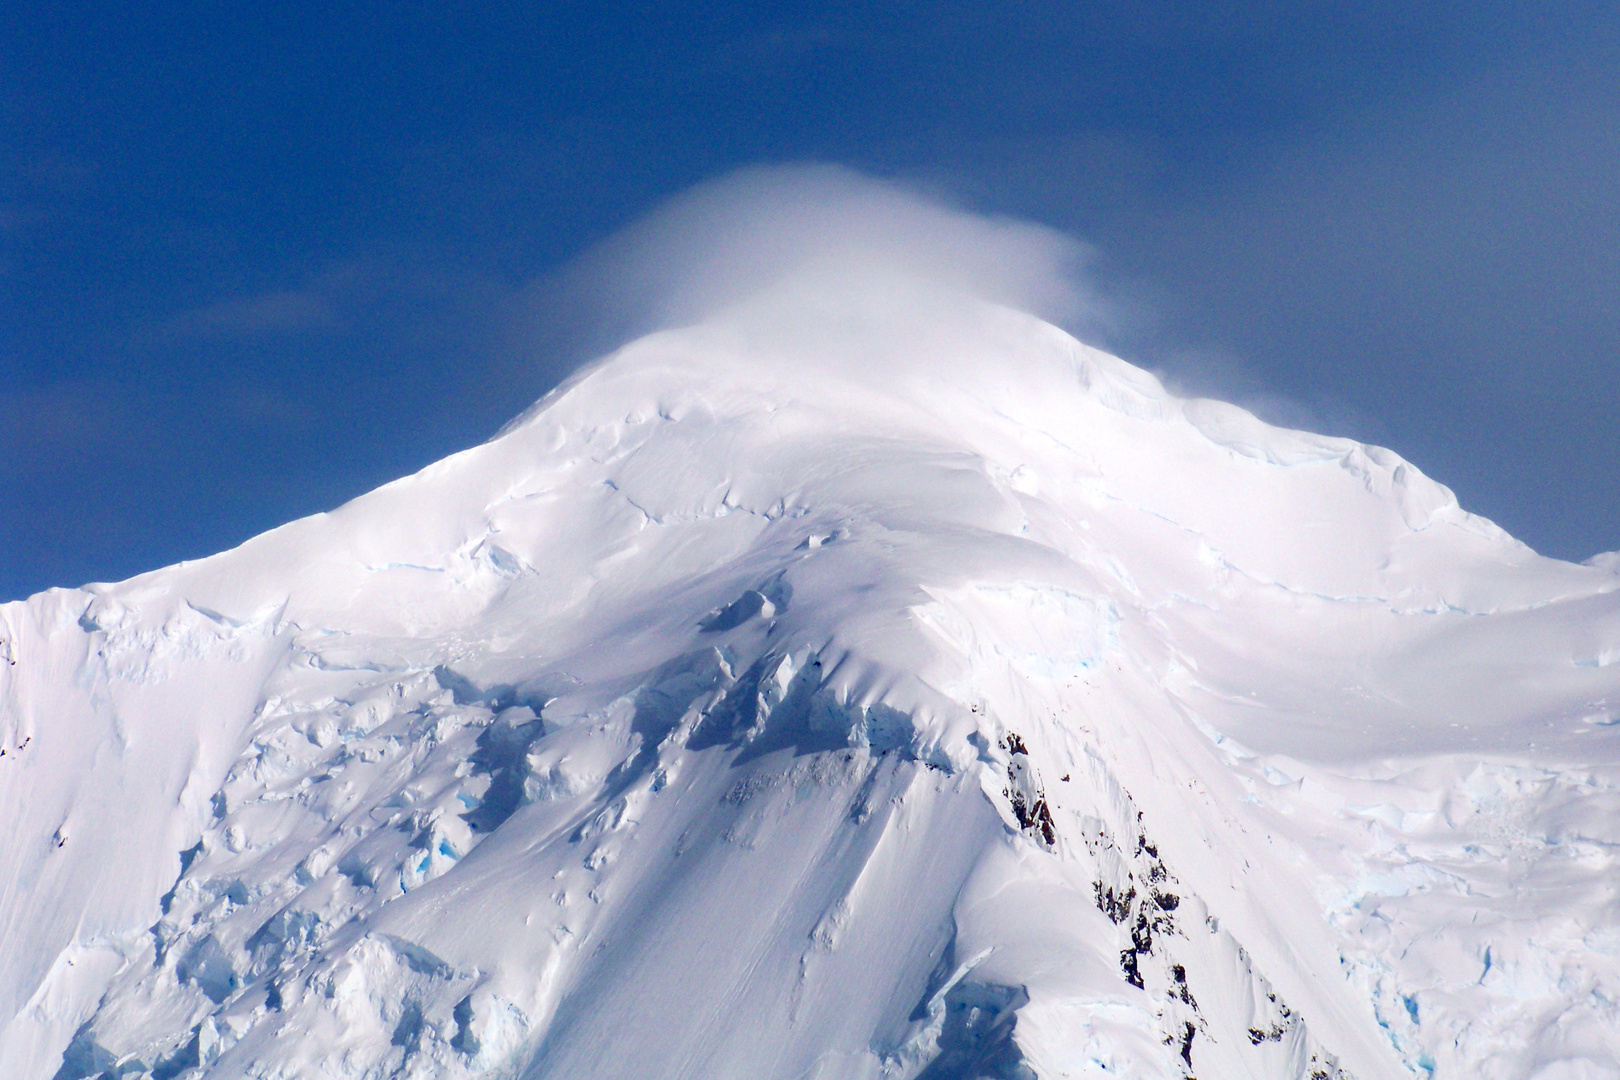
pixel 823 692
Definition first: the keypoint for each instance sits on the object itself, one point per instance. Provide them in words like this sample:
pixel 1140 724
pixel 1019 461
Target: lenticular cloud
pixel 808 230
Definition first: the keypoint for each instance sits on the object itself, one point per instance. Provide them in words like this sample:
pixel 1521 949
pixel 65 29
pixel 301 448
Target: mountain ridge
pixel 1096 732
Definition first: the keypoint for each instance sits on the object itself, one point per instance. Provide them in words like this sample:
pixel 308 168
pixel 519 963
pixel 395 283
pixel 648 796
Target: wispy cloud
pixel 284 312
pixel 320 304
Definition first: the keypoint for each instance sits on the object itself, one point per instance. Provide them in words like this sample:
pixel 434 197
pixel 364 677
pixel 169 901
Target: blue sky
pixel 257 259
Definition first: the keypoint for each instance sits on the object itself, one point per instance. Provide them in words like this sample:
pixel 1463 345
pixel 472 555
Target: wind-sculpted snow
pixel 818 694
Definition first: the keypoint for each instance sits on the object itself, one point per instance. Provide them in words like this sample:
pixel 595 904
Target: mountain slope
pixel 822 692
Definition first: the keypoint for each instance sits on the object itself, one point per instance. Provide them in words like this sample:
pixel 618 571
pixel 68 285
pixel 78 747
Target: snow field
pixel 823 692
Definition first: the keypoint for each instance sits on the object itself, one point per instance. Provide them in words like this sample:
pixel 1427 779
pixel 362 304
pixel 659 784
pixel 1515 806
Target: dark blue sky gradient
pixel 258 259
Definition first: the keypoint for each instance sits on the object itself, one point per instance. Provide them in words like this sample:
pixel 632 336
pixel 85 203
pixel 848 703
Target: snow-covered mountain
pixel 829 693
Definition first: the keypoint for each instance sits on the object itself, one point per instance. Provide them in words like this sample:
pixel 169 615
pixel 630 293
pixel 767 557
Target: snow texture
pixel 826 693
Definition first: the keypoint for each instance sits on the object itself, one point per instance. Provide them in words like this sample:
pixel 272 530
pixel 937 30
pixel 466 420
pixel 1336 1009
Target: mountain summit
pixel 819 693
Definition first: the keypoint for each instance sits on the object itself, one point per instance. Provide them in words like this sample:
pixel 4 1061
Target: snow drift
pixel 868 681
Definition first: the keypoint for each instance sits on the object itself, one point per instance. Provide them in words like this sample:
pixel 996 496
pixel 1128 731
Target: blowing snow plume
pixel 857 678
